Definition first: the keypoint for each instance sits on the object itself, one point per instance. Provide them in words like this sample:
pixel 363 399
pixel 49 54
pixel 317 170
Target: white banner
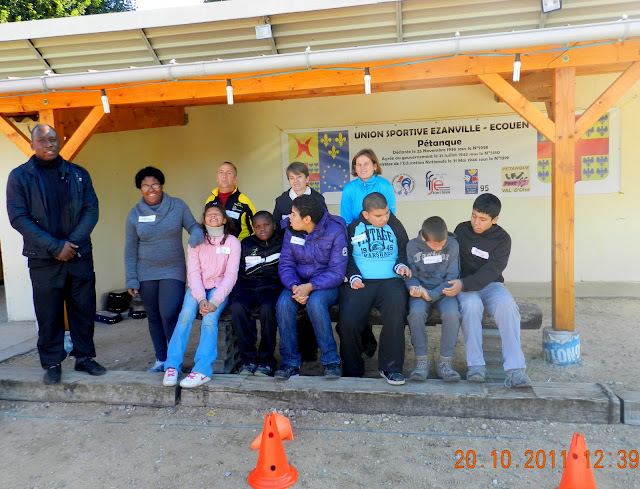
pixel 456 159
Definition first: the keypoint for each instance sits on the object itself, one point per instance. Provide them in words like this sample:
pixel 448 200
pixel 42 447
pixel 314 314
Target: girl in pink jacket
pixel 212 270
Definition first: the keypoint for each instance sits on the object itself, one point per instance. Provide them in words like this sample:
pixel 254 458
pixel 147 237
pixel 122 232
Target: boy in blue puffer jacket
pixel 312 265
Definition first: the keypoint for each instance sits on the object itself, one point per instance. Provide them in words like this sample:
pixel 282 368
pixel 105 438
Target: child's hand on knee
pixel 414 291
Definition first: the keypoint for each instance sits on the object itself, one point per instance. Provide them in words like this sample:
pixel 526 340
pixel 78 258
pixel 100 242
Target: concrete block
pixel 115 387
pixel 567 403
pixel 630 406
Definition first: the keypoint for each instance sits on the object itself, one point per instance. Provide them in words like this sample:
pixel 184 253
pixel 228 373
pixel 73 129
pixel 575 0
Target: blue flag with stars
pixel 333 151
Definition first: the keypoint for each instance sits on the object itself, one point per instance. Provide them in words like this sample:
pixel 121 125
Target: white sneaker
pixel 170 377
pixel 194 379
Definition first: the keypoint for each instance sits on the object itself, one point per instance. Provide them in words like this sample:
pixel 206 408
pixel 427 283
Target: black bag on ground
pixel 118 301
pixel 108 317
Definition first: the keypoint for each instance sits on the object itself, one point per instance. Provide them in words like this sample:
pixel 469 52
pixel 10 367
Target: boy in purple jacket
pixel 313 262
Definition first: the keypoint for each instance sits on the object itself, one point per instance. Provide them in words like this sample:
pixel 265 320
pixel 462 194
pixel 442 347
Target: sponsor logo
pixel 403 184
pixel 516 179
pixel 435 183
pixel 471 181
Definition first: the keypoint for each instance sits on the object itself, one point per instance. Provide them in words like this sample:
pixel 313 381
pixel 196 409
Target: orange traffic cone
pixel 273 471
pixel 284 428
pixel 578 474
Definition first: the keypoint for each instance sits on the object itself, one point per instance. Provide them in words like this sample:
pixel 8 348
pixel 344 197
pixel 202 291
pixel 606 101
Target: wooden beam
pixel 609 97
pixel 593 59
pixel 535 87
pixel 80 137
pixel 563 201
pixel 121 119
pixel 550 110
pixel 514 99
pixel 132 118
pixel 50 117
pixel 15 135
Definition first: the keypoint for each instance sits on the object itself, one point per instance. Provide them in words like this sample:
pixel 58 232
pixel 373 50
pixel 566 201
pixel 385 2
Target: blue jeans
pixel 500 304
pixel 418 312
pixel 208 346
pixel 318 306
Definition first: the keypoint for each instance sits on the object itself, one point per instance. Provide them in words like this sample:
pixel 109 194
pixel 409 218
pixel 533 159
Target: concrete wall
pixel 607 226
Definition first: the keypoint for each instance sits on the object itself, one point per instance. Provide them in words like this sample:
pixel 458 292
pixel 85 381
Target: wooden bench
pixel 530 318
pixel 530 314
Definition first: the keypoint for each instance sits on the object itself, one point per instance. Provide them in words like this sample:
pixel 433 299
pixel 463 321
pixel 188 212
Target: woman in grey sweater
pixel 154 256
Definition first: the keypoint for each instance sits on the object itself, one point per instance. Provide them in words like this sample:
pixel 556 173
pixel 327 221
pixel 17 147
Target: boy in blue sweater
pixel 433 258
pixel 377 257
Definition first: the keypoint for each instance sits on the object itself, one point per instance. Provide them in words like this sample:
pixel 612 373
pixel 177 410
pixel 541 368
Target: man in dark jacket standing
pixel 312 266
pixel 51 202
pixel 258 286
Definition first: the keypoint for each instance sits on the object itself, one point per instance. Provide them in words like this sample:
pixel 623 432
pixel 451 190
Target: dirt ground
pixel 52 446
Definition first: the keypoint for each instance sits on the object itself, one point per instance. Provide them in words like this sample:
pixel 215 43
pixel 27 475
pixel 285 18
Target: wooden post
pixel 80 137
pixel 563 201
pixel 14 134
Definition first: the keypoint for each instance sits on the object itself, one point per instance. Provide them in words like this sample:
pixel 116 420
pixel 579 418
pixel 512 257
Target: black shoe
pixel 247 369
pixel 90 366
pixel 53 375
pixel 286 371
pixel 264 371
pixel 332 371
pixel 393 378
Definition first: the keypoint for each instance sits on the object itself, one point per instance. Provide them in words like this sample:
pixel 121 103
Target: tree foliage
pixel 18 10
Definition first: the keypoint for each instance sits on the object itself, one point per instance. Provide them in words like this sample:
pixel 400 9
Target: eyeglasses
pixel 155 186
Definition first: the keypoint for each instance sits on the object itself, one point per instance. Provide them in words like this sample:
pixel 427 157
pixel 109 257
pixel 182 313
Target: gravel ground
pixel 79 446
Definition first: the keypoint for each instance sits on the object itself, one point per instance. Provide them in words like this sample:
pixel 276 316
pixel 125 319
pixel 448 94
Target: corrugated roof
pixel 226 30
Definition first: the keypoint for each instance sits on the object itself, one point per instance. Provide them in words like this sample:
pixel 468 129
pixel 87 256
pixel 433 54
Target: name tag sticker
pixel 297 240
pixel 480 253
pixel 432 259
pixel 147 218
pixel 224 250
pixel 233 214
pixel 359 238
pixel 252 261
pixel 271 258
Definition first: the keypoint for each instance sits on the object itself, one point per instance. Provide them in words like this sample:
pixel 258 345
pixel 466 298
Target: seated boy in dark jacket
pixel 484 253
pixel 377 257
pixel 258 286
pixel 312 266
pixel 434 260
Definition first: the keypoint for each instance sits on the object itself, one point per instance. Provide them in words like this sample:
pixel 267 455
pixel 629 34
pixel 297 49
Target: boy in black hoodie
pixel 484 254
pixel 258 285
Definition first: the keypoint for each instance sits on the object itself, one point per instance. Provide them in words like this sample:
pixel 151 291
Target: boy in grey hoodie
pixel 433 258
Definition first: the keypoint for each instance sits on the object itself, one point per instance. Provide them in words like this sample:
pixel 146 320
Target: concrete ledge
pixel 116 387
pixel 571 403
pixel 630 407
pixel 562 402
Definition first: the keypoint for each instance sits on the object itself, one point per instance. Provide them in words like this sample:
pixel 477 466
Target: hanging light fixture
pixel 367 82
pixel 516 68
pixel 229 92
pixel 105 102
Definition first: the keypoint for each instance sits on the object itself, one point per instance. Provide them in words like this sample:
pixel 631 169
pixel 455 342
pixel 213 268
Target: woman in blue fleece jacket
pixel 366 167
